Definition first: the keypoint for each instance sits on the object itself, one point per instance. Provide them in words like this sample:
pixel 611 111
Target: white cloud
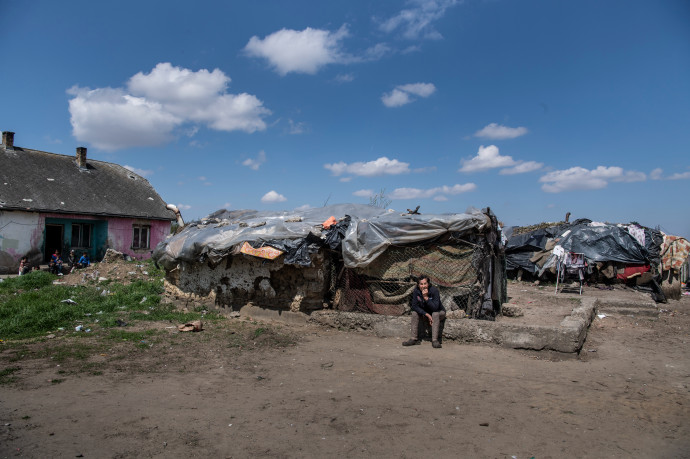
pixel 254 164
pixel 375 53
pixel 304 51
pixel 379 166
pixel 227 205
pixel 157 106
pixel 631 176
pixel 273 196
pixel 423 170
pixel 499 132
pixel 522 167
pixel 679 176
pixel 141 172
pixel 178 86
pixel 418 21
pixel 110 119
pixel 184 206
pixel 364 193
pixel 579 178
pixel 487 158
pixel 396 98
pixel 303 207
pixel 440 198
pixel 416 193
pixel 656 174
pixel 296 128
pixel 345 179
pixel 401 95
pixel 345 78
pixel 419 89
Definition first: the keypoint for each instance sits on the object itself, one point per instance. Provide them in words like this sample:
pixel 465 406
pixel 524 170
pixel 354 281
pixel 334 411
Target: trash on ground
pixel 194 326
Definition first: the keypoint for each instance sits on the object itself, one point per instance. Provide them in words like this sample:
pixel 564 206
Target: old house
pixel 51 201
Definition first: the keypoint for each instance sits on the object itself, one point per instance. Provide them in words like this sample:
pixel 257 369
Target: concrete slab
pixel 613 306
pixel 556 322
pixel 566 336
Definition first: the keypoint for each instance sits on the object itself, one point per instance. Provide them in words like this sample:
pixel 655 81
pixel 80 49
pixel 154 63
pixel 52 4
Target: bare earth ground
pixel 349 394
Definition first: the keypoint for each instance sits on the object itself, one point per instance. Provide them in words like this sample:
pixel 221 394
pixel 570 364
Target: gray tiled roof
pixel 35 180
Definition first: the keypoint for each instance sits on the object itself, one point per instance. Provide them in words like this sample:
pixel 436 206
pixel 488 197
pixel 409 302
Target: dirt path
pixel 352 395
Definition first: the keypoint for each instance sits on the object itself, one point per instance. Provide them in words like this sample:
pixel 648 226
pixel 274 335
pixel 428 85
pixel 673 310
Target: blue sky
pixel 533 108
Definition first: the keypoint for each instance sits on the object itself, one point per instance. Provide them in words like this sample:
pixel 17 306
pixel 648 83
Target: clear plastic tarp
pixel 370 231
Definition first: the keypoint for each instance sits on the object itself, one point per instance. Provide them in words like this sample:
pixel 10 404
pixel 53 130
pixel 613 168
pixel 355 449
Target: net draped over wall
pixel 385 286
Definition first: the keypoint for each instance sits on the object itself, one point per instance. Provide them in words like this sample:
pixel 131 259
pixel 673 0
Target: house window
pixel 141 236
pixel 81 234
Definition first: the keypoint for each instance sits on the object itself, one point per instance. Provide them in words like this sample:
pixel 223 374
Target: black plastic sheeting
pixel 336 234
pixel 601 242
pixel 521 247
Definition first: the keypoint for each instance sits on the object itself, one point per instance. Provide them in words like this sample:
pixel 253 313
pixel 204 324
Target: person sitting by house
pixel 71 261
pixel 53 266
pixel 58 266
pixel 426 305
pixel 24 266
pixel 83 261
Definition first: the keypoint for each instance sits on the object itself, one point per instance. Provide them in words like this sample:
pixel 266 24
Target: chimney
pixel 8 139
pixel 81 157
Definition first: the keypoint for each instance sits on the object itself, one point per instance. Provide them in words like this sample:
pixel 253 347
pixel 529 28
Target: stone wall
pixel 243 279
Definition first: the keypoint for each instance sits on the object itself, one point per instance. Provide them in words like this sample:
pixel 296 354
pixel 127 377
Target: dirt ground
pixel 336 393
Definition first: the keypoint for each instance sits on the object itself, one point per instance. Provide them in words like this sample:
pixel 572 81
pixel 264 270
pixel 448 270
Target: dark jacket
pixel 433 304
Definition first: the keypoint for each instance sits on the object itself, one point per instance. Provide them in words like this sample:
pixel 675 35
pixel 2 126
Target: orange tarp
pixel 268 252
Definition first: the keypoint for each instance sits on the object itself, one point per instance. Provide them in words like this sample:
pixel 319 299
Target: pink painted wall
pixel 120 235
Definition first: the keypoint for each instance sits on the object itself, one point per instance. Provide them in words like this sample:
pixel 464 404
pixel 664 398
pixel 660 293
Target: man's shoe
pixel 436 345
pixel 411 342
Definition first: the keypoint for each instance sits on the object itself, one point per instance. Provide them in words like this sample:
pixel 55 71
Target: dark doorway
pixel 53 240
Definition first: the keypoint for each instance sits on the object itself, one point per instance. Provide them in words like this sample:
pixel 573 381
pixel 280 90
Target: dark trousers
pixel 437 317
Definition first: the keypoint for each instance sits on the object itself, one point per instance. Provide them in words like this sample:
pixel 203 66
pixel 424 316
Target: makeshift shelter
pixel 614 252
pixel 523 243
pixel 365 259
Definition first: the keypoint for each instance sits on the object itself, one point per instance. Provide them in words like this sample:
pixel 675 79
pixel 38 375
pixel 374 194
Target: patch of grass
pixel 7 375
pixel 32 306
pixel 30 281
pixel 57 381
pixel 259 331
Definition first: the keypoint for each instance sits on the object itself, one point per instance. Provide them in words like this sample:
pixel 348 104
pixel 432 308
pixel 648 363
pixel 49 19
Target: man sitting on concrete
pixel 426 305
